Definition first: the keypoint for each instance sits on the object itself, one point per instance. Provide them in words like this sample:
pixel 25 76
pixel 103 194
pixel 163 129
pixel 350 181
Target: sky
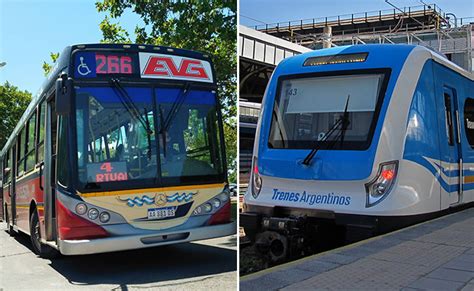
pixel 31 29
pixel 272 11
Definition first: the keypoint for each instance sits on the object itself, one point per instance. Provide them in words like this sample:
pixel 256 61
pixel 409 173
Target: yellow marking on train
pixel 469 179
pixel 139 191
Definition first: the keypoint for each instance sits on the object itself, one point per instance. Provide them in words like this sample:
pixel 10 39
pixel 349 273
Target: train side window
pixel 449 118
pixel 41 131
pixel 469 120
pixel 30 143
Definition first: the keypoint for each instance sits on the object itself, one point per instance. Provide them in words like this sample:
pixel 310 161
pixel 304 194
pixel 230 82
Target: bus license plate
pixel 163 212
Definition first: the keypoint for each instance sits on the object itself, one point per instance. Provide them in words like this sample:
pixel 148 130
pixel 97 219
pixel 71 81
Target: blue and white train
pixel 365 137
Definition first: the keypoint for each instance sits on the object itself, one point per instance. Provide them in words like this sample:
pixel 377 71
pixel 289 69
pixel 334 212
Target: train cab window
pixel 41 131
pixel 449 119
pixel 30 143
pixel 309 109
pixel 469 120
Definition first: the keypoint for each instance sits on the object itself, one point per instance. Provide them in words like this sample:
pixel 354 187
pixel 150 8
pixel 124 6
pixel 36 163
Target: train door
pixel 452 170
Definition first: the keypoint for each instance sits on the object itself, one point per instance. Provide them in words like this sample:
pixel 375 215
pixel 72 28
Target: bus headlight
pixel 216 203
pixel 256 179
pixel 380 186
pixel 81 209
pixel 104 217
pixel 207 207
pixel 93 213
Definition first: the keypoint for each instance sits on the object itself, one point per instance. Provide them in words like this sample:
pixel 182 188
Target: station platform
pixel 434 255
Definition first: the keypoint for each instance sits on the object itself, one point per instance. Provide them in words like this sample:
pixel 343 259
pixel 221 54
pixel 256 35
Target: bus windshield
pixel 307 108
pixel 122 138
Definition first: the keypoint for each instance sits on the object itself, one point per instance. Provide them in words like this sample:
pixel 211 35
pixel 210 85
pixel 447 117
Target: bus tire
pixel 10 230
pixel 39 248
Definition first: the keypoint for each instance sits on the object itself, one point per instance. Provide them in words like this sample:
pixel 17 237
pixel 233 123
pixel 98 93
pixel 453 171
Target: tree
pixel 207 26
pixel 47 67
pixel 13 103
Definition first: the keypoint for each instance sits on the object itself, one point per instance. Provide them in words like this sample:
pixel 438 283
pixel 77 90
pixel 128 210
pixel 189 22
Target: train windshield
pixel 307 108
pixel 126 138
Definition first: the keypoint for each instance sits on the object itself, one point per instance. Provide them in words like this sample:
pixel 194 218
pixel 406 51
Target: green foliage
pixel 230 136
pixel 48 67
pixel 13 103
pixel 206 26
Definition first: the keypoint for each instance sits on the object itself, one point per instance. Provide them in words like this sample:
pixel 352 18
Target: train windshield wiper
pixel 343 121
pixel 128 104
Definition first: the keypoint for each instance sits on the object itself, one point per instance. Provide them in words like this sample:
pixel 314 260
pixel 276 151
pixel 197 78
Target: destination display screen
pixel 145 65
pixel 336 59
pixel 96 64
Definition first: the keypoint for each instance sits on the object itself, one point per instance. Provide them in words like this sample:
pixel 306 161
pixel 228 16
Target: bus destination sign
pixel 95 64
pixel 144 65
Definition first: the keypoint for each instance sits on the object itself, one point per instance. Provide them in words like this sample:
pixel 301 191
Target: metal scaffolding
pixel 425 25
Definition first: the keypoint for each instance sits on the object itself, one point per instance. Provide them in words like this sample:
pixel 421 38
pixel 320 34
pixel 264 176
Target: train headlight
pixel 380 186
pixel 256 179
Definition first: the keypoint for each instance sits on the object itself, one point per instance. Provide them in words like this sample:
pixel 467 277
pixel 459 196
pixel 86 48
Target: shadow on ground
pixel 174 262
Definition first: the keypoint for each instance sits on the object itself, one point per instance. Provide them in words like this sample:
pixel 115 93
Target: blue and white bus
pixel 366 137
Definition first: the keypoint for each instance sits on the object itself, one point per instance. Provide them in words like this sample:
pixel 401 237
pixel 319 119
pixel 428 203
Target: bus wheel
pixel 39 248
pixel 10 230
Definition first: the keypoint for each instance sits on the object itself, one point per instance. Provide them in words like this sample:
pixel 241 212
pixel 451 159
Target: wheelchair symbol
pixel 83 69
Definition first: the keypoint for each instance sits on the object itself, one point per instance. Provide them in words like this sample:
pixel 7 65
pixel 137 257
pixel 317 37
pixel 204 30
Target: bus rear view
pixel 139 152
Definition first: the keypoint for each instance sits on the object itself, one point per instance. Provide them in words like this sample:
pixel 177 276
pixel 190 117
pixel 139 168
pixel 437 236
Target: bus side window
pixel 30 152
pixel 449 118
pixel 41 131
pixel 6 165
pixel 21 152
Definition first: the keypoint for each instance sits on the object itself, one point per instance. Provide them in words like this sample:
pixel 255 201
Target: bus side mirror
pixel 64 91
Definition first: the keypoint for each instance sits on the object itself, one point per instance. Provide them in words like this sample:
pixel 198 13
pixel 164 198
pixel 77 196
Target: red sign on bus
pixel 107 172
pixel 174 67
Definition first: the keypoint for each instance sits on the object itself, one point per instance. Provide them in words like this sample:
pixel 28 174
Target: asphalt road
pixel 204 265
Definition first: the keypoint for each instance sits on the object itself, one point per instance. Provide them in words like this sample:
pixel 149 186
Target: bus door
pixel 6 183
pixel 453 169
pixel 48 170
pixel 12 192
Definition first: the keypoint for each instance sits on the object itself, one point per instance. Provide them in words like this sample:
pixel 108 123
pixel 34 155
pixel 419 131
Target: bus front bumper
pixel 121 243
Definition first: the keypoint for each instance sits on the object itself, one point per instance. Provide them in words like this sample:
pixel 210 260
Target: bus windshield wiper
pixel 127 102
pixel 166 122
pixel 343 121
pixel 175 107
